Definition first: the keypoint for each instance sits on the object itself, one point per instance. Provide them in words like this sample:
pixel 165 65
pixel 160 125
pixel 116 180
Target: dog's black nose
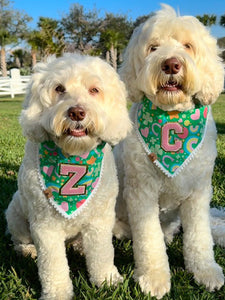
pixel 76 113
pixel 171 66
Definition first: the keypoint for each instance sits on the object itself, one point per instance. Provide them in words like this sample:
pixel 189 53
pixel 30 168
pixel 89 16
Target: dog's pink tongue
pixel 77 133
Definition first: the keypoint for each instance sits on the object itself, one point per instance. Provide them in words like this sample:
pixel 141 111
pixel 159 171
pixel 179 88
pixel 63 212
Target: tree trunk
pixel 107 57
pixel 3 62
pixel 18 63
pixel 34 58
pixel 120 57
pixel 113 53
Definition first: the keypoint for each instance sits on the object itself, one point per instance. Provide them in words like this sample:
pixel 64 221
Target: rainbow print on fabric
pixel 69 182
pixel 170 138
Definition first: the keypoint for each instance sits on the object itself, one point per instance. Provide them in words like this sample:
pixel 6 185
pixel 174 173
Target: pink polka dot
pixel 160 121
pixel 205 112
pixel 64 206
pixel 80 203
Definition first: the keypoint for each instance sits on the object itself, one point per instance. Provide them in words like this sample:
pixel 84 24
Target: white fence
pixel 13 85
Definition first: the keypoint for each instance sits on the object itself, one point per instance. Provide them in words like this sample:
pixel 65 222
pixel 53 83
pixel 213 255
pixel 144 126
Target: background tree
pixel 34 40
pixel 222 21
pixel 50 38
pixel 20 58
pixel 18 55
pixel 13 26
pixel 221 44
pixel 114 35
pixel 81 27
pixel 111 40
pixel 141 20
pixel 207 20
pixel 221 41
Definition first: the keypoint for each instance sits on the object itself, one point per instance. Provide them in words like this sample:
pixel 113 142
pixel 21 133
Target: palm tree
pixel 207 20
pixel 115 33
pixel 51 37
pixel 111 40
pixel 34 40
pixel 18 55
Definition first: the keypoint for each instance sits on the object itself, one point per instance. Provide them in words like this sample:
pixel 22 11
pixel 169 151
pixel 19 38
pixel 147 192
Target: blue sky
pixel 132 8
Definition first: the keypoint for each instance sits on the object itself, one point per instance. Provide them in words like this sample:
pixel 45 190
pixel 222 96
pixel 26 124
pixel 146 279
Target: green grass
pixel 18 275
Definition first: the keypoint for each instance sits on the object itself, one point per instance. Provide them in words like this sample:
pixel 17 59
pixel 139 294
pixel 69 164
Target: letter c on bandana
pixel 177 128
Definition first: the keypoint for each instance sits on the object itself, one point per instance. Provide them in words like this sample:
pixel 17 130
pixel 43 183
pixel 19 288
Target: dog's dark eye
pixel 94 90
pixel 188 46
pixel 152 48
pixel 60 89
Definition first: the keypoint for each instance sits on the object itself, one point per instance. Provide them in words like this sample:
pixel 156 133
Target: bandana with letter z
pixel 69 182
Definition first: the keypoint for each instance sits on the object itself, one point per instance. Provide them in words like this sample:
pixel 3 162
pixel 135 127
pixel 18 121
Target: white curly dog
pixel 67 183
pixel 172 71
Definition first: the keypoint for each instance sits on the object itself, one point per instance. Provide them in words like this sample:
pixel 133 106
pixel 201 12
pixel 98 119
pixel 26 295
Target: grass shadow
pixel 220 128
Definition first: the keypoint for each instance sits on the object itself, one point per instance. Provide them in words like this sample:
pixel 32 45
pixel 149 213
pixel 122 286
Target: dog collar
pixel 171 139
pixel 69 183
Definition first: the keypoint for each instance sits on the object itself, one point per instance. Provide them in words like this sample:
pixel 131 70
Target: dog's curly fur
pixel 153 200
pixel 56 86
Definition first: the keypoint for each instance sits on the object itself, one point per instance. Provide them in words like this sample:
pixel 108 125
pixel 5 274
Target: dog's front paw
pixel 111 277
pixel 57 296
pixel 61 291
pixel 157 283
pixel 211 276
pixel 114 277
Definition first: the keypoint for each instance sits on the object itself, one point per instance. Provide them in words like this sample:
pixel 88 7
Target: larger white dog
pixel 67 183
pixel 172 71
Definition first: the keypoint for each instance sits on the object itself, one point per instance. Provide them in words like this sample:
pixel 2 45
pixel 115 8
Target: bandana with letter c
pixel 170 138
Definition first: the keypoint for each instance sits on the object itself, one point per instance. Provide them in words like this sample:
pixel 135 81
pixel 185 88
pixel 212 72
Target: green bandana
pixel 172 138
pixel 69 183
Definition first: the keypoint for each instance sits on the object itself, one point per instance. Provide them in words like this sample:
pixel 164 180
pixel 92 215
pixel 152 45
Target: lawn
pixel 18 275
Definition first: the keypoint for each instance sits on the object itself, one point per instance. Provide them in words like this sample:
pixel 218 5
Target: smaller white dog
pixel 173 72
pixel 67 183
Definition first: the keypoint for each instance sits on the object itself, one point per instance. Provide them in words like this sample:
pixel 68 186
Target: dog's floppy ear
pixel 33 107
pixel 211 69
pixel 131 66
pixel 118 123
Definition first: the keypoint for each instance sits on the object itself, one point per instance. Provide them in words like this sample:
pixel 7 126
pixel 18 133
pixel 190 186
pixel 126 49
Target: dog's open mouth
pixel 171 86
pixel 79 131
